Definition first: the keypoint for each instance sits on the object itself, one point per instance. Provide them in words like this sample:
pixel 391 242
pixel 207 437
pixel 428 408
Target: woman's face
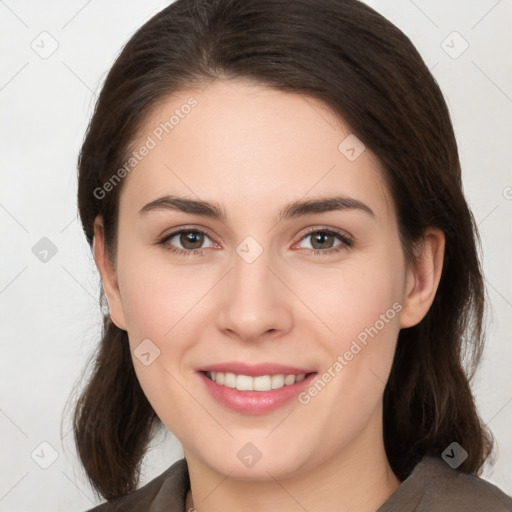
pixel 319 289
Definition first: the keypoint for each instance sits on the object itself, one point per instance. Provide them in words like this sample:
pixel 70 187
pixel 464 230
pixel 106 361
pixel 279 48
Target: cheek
pixel 156 297
pixel 158 303
pixel 357 296
pixel 361 305
pixel 164 304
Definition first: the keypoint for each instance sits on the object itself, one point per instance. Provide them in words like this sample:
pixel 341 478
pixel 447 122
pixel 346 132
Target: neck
pixel 358 478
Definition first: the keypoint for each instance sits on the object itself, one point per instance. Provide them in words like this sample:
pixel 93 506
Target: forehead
pixel 235 140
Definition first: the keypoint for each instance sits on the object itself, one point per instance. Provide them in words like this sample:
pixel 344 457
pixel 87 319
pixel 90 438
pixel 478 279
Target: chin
pixel 247 462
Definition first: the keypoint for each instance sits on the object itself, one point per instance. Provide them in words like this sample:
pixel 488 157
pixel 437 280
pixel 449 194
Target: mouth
pixel 254 389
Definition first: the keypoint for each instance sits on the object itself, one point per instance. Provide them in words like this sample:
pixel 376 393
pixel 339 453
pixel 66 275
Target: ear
pixel 108 275
pixel 423 278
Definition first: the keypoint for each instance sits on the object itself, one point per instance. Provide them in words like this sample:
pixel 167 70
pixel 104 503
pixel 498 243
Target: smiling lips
pixel 254 389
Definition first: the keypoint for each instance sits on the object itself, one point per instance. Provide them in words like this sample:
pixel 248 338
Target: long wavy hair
pixel 370 74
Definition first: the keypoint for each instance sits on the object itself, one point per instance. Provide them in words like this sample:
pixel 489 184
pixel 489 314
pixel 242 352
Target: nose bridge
pixel 251 279
pixel 255 300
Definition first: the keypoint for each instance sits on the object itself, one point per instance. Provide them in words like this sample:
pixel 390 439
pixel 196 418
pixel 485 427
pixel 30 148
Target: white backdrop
pixel 54 60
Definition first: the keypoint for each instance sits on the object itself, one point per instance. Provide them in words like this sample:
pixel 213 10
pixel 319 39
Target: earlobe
pixel 108 276
pixel 423 278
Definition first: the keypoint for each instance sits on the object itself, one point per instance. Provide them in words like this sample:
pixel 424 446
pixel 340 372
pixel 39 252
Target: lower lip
pixel 255 402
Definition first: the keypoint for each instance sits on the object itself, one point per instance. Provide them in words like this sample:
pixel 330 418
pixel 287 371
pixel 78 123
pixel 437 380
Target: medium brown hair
pixel 369 73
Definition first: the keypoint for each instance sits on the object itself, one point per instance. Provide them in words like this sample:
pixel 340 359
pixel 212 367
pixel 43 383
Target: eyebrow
pixel 292 210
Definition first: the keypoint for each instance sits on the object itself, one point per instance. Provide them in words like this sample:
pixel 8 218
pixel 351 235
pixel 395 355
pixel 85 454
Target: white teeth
pixel 244 383
pixel 277 381
pixel 289 379
pixel 260 383
pixel 230 380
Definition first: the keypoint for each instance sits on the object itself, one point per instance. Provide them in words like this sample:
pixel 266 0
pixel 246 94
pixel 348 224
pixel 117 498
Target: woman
pixel 231 140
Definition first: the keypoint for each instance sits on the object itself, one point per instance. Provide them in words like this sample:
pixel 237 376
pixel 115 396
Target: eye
pixel 190 239
pixel 322 241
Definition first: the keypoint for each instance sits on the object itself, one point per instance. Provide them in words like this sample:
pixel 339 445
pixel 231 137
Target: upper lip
pixel 254 370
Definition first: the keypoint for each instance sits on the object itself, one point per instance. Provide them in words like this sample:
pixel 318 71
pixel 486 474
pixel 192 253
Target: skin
pixel 254 149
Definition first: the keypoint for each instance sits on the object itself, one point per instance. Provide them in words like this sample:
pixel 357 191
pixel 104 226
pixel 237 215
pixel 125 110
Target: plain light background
pixel 50 315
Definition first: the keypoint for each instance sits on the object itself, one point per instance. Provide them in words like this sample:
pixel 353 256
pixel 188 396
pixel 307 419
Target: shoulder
pixel 434 486
pixel 465 491
pixel 168 489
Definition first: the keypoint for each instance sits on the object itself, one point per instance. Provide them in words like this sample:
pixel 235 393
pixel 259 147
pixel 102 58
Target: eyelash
pixel 345 242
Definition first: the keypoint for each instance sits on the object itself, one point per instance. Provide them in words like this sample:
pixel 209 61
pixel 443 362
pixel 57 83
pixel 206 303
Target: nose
pixel 255 302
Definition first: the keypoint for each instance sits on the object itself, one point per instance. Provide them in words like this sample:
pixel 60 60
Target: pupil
pixel 319 237
pixel 195 239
